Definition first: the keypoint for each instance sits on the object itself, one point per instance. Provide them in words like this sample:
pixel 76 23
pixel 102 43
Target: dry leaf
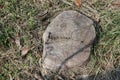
pixel 25 51
pixel 17 40
pixel 78 3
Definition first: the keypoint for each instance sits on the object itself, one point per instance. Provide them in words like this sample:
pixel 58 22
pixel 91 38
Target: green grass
pixel 24 17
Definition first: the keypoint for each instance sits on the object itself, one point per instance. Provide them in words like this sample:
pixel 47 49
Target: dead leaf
pixel 78 3
pixel 17 40
pixel 25 51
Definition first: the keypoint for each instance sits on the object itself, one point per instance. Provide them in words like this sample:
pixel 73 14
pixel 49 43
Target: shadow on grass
pixel 108 75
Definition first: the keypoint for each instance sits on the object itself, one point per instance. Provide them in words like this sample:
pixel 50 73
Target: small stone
pixel 67 41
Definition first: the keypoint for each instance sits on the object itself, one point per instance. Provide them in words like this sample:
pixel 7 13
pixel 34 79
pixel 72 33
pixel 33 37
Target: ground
pixel 22 23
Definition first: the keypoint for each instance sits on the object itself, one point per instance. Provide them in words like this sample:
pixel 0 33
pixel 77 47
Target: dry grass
pixel 26 21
